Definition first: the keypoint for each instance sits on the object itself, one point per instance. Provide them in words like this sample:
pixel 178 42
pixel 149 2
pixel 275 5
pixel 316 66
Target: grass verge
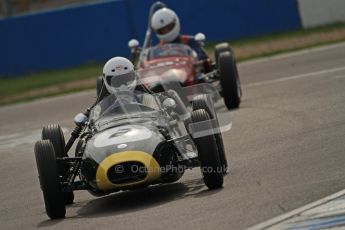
pixel 48 83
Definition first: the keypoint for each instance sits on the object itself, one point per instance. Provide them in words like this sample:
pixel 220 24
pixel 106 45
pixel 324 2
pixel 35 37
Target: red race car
pixel 178 62
pixel 170 62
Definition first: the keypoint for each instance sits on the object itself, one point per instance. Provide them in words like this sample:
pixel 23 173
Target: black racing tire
pixel 208 154
pixel 200 102
pixel 54 134
pixel 102 92
pixel 220 48
pixel 229 80
pixel 49 180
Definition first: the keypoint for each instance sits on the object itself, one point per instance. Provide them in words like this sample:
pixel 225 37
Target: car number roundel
pixel 123 134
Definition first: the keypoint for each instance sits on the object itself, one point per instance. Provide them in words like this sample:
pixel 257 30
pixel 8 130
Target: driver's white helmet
pixel 166 24
pixel 119 75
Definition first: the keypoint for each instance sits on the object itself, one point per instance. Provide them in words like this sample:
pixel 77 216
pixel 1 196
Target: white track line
pixel 15 139
pixel 299 76
pixel 279 219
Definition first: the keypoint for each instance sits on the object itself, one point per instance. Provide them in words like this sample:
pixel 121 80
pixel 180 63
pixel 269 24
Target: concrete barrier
pixel 321 12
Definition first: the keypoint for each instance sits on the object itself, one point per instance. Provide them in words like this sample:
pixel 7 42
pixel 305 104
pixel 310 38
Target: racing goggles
pixel 117 81
pixel 166 29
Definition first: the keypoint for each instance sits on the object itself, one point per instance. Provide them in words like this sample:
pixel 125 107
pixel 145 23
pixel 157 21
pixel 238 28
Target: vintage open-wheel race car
pixel 131 140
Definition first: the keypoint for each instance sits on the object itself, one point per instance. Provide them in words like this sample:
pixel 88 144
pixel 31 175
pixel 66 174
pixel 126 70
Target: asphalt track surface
pixel 285 148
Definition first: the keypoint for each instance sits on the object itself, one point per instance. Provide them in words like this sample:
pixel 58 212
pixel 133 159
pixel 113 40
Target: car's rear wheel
pixel 229 80
pixel 49 179
pixel 200 102
pixel 54 134
pixel 208 153
pixel 220 48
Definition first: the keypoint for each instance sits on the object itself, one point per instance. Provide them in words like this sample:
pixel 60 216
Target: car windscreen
pixel 111 109
pixel 118 116
pixel 169 50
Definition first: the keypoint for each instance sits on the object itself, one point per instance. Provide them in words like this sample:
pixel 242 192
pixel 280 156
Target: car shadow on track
pixel 149 197
pixel 124 202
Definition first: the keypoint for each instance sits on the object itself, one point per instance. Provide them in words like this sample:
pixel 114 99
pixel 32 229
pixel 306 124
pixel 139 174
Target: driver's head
pixel 119 75
pixel 166 24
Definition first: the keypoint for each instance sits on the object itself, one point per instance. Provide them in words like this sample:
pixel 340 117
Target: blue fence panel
pixel 224 19
pixel 63 38
pixel 96 32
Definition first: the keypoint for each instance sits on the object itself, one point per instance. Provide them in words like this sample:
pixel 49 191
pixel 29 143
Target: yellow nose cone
pixel 152 168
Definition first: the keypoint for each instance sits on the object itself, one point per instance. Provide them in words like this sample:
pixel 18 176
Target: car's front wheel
pixel 200 102
pixel 211 167
pixel 49 181
pixel 54 134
